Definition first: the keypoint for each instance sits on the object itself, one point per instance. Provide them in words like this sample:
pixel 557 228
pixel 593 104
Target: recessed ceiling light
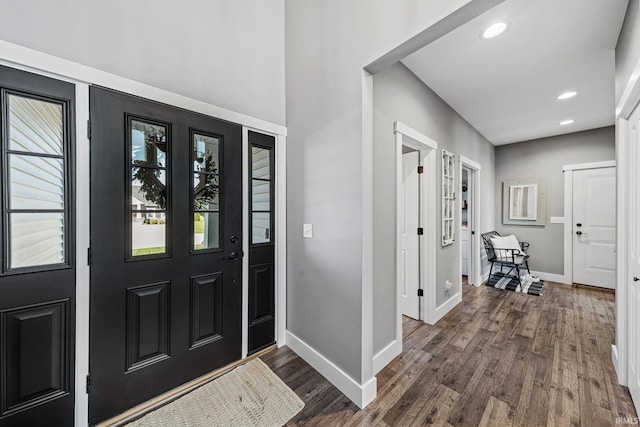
pixel 567 95
pixel 495 30
pixel 566 122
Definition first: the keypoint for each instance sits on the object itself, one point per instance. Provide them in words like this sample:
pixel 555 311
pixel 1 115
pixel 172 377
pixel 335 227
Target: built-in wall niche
pixel 448 197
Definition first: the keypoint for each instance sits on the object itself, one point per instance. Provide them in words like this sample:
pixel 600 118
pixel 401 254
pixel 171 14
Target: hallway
pixel 499 358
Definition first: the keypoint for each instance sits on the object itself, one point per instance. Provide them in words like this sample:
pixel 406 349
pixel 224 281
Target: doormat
pixel 510 283
pixel 250 395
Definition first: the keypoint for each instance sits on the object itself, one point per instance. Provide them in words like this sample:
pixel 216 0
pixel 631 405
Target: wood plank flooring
pixel 498 359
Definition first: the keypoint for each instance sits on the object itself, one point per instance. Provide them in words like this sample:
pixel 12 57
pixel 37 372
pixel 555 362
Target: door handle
pixel 635 279
pixel 579 233
pixel 232 256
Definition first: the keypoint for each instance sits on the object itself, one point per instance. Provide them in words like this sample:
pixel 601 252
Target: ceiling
pixel 507 87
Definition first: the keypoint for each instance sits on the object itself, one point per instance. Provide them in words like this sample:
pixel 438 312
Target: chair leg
pixel 490 271
pixel 526 264
pixel 518 275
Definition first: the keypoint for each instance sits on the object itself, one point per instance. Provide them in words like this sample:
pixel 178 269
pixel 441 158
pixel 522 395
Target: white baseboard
pixel 386 355
pixel 360 394
pixel 446 307
pixel 551 277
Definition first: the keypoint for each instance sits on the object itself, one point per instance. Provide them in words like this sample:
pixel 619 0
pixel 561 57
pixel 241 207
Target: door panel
pixel 37 272
pixel 633 223
pixel 410 203
pixel 262 244
pixel 166 231
pixel 594 238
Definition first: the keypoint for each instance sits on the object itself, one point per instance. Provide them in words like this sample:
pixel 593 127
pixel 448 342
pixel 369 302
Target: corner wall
pixel 544 158
pixel 628 47
pixel 399 95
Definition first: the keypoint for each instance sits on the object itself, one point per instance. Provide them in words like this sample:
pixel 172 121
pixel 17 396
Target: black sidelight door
pixel 37 272
pixel 262 244
pixel 166 245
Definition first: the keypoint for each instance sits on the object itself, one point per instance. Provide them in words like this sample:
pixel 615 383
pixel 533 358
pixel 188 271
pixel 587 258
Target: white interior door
pixel 410 250
pixel 633 274
pixel 594 228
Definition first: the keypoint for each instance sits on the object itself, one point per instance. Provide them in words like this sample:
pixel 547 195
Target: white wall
pixel 628 47
pixel 328 42
pixel 226 53
pixel 399 95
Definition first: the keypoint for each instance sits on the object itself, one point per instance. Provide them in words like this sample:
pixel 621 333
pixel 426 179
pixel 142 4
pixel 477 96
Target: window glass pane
pixel 36 239
pixel 205 192
pixel 260 195
pixel 148 188
pixel 206 152
pixel 206 230
pixel 35 126
pixel 148 233
pixel 148 144
pixel 260 163
pixel 261 225
pixel 36 182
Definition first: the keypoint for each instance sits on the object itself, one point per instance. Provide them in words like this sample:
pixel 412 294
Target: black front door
pixel 37 271
pixel 166 245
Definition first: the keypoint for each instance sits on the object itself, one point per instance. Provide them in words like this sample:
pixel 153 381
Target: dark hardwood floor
pixel 500 358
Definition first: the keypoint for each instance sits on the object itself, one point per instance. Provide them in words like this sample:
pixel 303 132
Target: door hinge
pixel 88 383
pixel 88 256
pixel 420 292
pixel 420 231
pixel 89 130
pixel 420 169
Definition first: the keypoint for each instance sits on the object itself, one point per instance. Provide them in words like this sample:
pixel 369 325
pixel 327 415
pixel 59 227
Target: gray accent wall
pixel 328 43
pixel 544 158
pixel 399 95
pixel 226 53
pixel 628 47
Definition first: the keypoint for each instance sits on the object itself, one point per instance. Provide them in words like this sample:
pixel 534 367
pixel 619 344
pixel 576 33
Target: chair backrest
pixel 488 247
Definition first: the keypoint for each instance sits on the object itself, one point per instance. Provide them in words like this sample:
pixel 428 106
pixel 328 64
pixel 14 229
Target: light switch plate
pixel 557 220
pixel 307 231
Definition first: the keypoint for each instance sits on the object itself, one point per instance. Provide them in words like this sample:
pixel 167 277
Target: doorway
pixel 166 245
pixel 590 224
pixel 470 250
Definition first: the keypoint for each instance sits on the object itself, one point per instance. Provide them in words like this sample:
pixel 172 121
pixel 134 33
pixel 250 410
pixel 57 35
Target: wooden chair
pixel 512 258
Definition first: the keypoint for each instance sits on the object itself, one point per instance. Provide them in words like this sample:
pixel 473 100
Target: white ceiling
pixel 506 87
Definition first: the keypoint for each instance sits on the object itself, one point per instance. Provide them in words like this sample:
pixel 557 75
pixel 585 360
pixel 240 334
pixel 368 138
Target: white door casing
pixel 410 249
pixel 594 227
pixel 633 250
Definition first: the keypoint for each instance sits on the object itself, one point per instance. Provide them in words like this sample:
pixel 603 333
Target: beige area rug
pixel 250 395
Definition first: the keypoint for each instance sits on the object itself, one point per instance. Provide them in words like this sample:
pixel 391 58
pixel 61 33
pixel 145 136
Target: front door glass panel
pixel 206 191
pixel 149 192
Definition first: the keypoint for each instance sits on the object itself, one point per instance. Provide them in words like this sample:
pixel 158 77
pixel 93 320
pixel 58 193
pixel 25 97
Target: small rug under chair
pixel 249 395
pixel 529 285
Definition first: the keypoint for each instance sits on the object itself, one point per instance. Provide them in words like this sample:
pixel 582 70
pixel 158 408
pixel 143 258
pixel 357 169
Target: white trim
pixel 474 276
pixel 399 127
pixel 366 324
pixel 622 174
pixel 386 355
pixel 83 232
pixel 446 307
pixel 630 95
pixel 616 360
pixel 245 242
pixel 592 165
pixel 281 239
pixel 20 56
pixel 551 277
pixel 567 229
pixel 360 394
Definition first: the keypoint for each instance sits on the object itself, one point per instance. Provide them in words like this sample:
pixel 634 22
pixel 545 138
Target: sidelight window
pixel 35 152
pixel 261 195
pixel 148 195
